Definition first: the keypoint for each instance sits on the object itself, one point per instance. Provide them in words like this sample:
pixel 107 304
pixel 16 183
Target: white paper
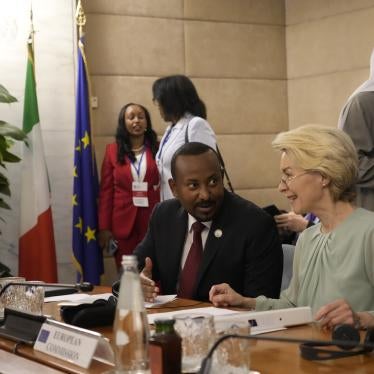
pixel 77 298
pixel 160 300
pixel 207 310
pixel 264 331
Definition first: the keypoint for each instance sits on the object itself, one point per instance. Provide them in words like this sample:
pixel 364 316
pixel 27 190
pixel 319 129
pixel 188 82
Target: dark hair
pixel 177 95
pixel 123 137
pixel 190 149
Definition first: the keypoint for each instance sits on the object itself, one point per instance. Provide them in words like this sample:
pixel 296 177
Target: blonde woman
pixel 333 268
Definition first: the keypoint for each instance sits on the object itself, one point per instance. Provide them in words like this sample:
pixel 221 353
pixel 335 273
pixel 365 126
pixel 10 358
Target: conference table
pixel 267 357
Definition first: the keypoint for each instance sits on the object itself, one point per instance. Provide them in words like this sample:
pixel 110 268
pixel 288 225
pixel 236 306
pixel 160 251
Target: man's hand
pixel 150 291
pixel 223 295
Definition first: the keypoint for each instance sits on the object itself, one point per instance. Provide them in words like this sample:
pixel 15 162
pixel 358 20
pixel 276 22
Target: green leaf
pixel 3 142
pixel 5 96
pixel 13 132
pixel 8 134
pixel 3 179
pixel 10 157
pixel 4 205
pixel 5 190
pixel 4 185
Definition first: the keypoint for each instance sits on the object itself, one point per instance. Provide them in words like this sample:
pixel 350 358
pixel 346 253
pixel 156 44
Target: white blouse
pixel 199 130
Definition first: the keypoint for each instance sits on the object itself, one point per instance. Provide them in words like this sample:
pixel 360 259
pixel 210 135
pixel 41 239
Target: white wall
pixel 55 58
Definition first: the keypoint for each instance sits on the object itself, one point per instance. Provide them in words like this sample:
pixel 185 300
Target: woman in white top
pixel 179 103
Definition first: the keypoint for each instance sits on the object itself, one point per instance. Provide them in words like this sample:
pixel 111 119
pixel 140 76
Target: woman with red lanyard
pixel 129 187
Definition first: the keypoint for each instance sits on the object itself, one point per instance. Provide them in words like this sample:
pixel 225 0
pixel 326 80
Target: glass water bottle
pixel 131 330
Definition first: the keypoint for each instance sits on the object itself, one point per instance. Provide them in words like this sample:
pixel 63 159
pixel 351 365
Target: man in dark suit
pixel 240 244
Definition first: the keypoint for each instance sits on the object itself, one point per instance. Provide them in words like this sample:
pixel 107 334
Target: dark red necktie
pixel 188 274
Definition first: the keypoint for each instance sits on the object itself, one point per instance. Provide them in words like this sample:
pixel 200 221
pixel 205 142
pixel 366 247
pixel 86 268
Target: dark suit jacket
pixel 248 256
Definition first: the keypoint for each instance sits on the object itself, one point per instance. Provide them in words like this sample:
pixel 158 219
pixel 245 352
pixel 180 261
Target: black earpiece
pixel 345 333
pixel 115 288
pixel 341 333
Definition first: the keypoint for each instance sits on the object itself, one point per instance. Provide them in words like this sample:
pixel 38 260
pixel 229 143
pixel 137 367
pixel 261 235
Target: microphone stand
pixel 84 287
pixel 345 344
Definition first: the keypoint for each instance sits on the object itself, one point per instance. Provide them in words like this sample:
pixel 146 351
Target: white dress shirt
pixel 189 237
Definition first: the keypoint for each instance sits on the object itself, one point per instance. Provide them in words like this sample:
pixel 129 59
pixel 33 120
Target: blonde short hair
pixel 328 151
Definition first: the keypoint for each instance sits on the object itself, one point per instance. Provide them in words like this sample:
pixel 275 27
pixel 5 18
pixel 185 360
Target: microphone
pixel 309 348
pixel 84 287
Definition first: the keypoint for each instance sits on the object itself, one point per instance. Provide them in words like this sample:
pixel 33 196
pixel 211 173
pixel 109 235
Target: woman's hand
pixel 291 222
pixel 336 313
pixel 104 237
pixel 223 295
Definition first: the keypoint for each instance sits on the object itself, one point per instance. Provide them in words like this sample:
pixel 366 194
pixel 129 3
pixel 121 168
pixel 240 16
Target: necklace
pixel 138 149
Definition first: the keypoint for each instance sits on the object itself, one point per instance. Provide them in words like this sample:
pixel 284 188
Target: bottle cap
pixel 164 321
pixel 129 260
pixel 164 325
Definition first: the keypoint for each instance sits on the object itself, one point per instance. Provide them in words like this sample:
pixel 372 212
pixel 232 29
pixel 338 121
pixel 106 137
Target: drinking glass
pixel 232 356
pixel 27 299
pixel 198 335
pixel 8 293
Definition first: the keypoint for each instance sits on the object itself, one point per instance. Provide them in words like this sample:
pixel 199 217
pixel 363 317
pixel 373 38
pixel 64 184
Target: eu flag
pixel 87 254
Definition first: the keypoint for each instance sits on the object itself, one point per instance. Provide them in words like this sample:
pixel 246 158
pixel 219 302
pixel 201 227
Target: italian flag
pixel 37 254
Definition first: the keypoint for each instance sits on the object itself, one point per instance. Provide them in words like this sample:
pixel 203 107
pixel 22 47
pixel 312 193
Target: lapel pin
pixel 218 233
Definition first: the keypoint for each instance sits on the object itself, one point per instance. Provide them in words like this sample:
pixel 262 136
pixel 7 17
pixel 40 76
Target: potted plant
pixel 8 134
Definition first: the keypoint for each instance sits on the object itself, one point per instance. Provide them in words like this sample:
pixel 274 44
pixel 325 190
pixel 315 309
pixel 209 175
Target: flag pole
pixel 87 255
pixel 31 25
pixel 30 41
pixel 36 244
pixel 81 19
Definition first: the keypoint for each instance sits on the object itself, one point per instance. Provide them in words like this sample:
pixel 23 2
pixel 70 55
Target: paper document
pixel 160 300
pixel 78 298
pixel 264 331
pixel 207 310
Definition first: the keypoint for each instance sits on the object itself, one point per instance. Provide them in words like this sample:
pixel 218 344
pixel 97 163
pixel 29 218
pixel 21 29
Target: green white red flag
pixel 37 253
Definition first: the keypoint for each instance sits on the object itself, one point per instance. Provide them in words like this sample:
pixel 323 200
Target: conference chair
pixel 288 252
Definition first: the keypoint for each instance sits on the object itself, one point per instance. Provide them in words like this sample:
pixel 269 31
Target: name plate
pixel 72 344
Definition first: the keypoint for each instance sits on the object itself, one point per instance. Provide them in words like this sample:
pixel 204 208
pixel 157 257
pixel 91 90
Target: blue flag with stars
pixel 87 254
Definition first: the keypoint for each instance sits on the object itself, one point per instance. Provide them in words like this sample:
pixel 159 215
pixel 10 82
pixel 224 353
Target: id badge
pixel 112 247
pixel 139 194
